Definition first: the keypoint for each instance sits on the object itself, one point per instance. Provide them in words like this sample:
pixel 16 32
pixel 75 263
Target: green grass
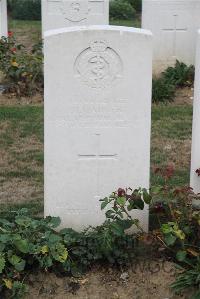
pixel 129 23
pixel 172 122
pixel 35 208
pixel 169 123
pixel 26 32
pixel 171 127
pixel 21 141
pixel 27 119
pixel 29 32
pixel 21 24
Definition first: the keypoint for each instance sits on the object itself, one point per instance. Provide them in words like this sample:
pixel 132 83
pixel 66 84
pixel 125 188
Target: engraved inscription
pixel 98 157
pixel 98 66
pixel 104 114
pixel 75 11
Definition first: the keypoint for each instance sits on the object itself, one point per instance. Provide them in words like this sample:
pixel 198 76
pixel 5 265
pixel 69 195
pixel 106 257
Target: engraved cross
pixel 175 30
pixel 98 157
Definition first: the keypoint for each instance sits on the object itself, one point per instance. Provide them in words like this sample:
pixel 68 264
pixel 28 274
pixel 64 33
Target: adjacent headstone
pixel 97 119
pixel 3 18
pixel 174 24
pixel 195 164
pixel 64 13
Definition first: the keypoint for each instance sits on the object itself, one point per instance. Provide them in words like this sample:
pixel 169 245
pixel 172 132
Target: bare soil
pixel 184 96
pixel 12 100
pixel 145 280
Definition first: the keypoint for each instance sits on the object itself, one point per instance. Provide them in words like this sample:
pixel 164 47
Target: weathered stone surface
pixel 97 119
pixel 3 18
pixel 174 24
pixel 195 164
pixel 64 13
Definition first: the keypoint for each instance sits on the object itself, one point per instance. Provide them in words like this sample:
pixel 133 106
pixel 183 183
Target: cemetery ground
pixel 21 181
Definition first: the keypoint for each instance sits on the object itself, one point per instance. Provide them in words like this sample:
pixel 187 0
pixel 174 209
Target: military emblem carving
pixel 98 65
pixel 75 11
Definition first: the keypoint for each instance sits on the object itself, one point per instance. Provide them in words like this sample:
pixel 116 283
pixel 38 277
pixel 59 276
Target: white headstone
pixel 195 164
pixel 3 18
pixel 97 119
pixel 64 13
pixel 174 24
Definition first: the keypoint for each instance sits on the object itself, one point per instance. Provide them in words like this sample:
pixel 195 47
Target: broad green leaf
pixel 138 204
pixel 166 228
pixel 2 247
pixel 104 204
pixel 17 262
pixel 8 283
pixel 121 201
pixel 59 252
pixel 170 239
pixel 117 229
pixel 53 221
pixel 23 221
pixel 146 197
pixel 4 238
pixel 22 245
pixel 180 234
pixel 2 263
pixel 53 238
pixel 126 224
pixel 44 249
pixel 181 255
pixel 110 214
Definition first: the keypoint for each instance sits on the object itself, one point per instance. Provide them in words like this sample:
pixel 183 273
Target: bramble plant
pixel 26 242
pixel 21 69
pixel 180 230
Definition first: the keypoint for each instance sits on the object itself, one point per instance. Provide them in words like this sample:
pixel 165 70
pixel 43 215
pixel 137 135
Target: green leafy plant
pixel 22 69
pixel 26 242
pixel 162 90
pixel 179 227
pixel 164 87
pixel 121 10
pixel 180 75
pixel 137 4
pixel 25 10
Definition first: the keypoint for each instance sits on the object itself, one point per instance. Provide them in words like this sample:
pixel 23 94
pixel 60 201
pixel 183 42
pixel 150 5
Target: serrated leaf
pixel 44 249
pixel 8 283
pixel 121 201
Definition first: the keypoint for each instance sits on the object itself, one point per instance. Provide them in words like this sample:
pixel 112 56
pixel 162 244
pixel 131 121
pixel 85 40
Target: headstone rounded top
pixel 122 30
